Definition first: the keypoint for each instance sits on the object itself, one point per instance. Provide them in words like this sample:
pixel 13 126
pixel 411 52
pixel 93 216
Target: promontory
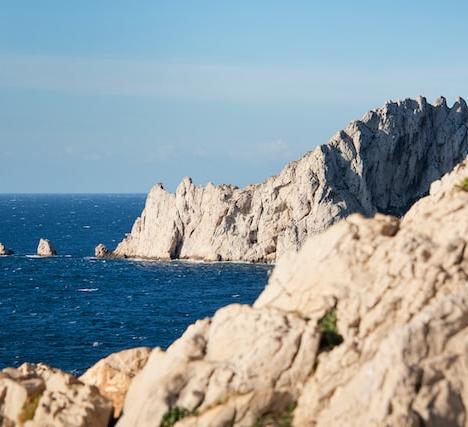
pixel 381 163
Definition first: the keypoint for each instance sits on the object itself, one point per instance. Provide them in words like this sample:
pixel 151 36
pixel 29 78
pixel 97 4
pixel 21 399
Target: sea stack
pixel 46 248
pixel 4 250
pixel 101 251
pixel 381 163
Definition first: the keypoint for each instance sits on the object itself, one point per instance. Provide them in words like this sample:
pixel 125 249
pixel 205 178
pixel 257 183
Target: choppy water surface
pixel 69 311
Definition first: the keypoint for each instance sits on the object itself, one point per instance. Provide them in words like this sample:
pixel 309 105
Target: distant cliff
pixel 382 163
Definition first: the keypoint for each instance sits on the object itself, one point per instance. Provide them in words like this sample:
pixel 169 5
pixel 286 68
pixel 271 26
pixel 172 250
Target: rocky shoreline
pixel 366 324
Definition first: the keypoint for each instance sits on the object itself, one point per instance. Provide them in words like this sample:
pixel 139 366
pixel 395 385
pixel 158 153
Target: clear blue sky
pixel 115 96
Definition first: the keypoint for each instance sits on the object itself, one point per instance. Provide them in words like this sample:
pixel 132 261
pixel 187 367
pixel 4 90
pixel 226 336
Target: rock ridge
pixel 381 163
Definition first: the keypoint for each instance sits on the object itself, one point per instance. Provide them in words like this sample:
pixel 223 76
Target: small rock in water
pixel 101 251
pixel 4 250
pixel 46 248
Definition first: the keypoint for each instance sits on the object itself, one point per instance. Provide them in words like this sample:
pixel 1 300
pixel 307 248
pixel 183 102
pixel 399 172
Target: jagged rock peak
pixel 381 163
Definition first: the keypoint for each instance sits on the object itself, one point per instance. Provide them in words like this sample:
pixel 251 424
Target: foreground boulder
pixel 112 375
pixel 400 291
pixel 46 248
pixel 367 325
pixel 36 395
pixel 4 250
pixel 228 370
pixel 382 163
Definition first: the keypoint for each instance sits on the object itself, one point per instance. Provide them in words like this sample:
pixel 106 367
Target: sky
pixel 116 96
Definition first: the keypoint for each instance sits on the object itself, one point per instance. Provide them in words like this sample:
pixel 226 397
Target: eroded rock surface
pixel 36 395
pixel 112 375
pixel 400 291
pixel 382 163
pixel 399 288
pixel 229 370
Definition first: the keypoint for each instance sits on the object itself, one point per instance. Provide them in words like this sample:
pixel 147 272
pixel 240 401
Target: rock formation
pixel 46 248
pixel 4 250
pixel 36 395
pixel 101 251
pixel 398 290
pixel 113 375
pixel 382 163
pixel 367 325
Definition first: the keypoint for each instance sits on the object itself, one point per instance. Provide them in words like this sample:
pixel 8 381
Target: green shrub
pixel 283 419
pixel 463 185
pixel 174 415
pixel 330 336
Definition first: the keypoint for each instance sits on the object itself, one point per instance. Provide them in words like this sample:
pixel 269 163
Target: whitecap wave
pixel 88 289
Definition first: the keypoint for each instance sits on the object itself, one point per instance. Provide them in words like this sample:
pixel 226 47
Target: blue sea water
pixel 71 310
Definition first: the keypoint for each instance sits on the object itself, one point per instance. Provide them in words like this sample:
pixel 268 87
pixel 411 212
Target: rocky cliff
pixel 382 163
pixel 366 325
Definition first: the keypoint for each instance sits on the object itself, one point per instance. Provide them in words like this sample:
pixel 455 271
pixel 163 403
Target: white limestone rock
pixel 36 395
pixel 113 374
pixel 46 248
pixel 382 163
pixel 400 291
pixel 101 251
pixel 230 369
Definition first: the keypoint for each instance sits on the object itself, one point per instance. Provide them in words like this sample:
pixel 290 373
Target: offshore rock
pixel 101 251
pixel 46 248
pixel 381 163
pixel 36 395
pixel 112 375
pixel 4 250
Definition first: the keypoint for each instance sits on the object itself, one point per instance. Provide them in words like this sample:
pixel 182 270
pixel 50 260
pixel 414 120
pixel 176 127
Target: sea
pixel 71 310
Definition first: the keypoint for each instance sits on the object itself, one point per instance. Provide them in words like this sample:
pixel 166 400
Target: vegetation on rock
pixel 463 185
pixel 174 415
pixel 330 336
pixel 29 408
pixel 283 419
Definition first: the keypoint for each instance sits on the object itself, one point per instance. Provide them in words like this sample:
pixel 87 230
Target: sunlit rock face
pixel 381 163
pixel 398 289
pixel 46 248
pixel 37 395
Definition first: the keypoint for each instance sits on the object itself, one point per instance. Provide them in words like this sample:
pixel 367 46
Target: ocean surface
pixel 71 310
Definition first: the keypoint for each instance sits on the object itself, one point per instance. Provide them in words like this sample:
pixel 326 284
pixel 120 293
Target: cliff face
pixel 367 325
pixel 382 163
pixel 398 291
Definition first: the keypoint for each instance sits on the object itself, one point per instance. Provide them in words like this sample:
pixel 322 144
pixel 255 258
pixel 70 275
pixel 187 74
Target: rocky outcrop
pixel 112 375
pixel 395 294
pixel 366 325
pixel 101 251
pixel 5 251
pixel 230 369
pixel 36 395
pixel 382 163
pixel 46 248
